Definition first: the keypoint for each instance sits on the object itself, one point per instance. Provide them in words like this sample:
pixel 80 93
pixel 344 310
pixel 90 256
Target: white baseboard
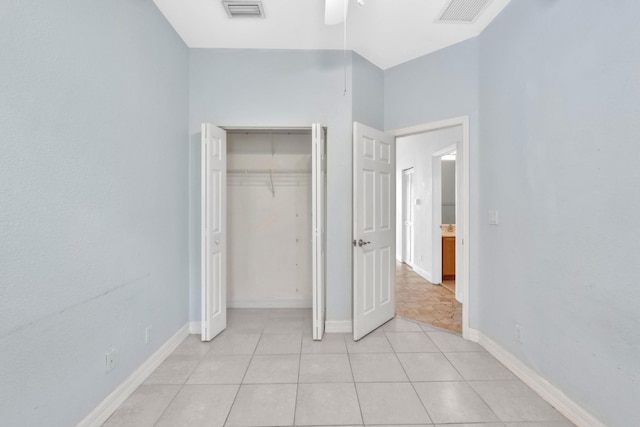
pixel 286 303
pixel 338 326
pixel 473 335
pixel 108 406
pixel 195 328
pixel 553 395
pixel 423 273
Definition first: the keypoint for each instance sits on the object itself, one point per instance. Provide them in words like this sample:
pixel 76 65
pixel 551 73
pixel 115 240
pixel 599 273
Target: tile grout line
pixel 181 385
pixel 460 373
pixel 295 401
pixel 395 353
pixel 461 376
pixel 355 387
pixel 226 419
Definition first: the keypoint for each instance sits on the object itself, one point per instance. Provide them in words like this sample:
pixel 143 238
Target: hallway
pixel 418 299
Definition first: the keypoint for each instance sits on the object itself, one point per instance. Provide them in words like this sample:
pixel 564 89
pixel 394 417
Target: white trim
pixel 195 328
pixel 422 273
pixel 464 198
pixel 436 210
pixel 408 172
pixel 271 303
pixel 338 326
pixel 552 394
pixel 474 335
pixel 427 127
pixel 108 406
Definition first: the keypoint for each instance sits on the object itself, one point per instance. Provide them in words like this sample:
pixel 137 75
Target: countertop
pixel 446 232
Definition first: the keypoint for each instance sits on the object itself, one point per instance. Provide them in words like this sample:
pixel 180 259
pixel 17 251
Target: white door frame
pixel 463 242
pixel 436 212
pixel 410 206
pixel 321 291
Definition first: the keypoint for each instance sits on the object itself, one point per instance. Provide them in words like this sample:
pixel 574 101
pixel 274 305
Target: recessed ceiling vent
pixel 462 11
pixel 243 9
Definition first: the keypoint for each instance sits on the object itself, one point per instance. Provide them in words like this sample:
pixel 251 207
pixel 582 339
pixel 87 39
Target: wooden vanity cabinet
pixel 448 258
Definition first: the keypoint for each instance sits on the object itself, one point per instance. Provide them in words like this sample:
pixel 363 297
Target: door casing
pixel 207 242
pixel 462 210
pixel 407 216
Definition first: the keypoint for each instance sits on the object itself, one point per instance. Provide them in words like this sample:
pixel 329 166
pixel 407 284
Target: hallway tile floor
pixel 418 299
pixel 259 373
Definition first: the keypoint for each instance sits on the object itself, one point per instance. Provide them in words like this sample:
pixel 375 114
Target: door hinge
pixel 355 243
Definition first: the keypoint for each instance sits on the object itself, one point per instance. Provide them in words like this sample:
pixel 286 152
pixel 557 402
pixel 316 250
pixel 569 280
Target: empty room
pixel 211 215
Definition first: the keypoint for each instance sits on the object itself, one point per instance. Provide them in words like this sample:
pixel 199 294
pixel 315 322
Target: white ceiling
pixel 386 32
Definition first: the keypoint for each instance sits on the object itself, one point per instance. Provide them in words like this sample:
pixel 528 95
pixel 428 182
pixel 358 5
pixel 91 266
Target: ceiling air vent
pixel 239 9
pixel 462 11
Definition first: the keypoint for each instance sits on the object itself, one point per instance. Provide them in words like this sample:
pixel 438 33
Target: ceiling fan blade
pixel 335 11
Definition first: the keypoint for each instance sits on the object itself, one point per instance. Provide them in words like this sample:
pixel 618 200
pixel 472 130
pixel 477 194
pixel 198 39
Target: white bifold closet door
pixel 214 230
pixel 374 228
pixel 318 179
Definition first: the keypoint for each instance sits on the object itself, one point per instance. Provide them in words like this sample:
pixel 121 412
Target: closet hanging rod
pixel 267 171
pixel 275 131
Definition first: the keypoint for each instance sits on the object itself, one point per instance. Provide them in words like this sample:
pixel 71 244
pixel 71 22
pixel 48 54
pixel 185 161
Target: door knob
pixel 362 242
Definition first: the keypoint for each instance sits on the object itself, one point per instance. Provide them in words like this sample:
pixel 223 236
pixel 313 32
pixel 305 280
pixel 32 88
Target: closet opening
pixel 269 219
pixel 267 186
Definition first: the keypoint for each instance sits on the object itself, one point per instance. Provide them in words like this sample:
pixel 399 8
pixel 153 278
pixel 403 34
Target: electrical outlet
pixel 519 334
pixel 110 360
pixel 147 334
pixel 493 217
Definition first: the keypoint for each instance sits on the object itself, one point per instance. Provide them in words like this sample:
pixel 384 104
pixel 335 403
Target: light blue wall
pixel 235 87
pixel 93 200
pixel 433 87
pixel 436 87
pixel 560 108
pixel 368 93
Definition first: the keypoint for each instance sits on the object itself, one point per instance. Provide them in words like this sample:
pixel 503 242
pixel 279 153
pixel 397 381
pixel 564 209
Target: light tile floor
pixel 265 370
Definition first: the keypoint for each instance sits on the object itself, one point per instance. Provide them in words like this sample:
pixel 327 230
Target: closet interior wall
pixel 269 218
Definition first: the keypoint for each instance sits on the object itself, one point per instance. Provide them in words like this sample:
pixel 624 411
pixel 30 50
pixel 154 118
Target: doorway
pixel 263 229
pixel 448 218
pixel 427 268
pixel 269 218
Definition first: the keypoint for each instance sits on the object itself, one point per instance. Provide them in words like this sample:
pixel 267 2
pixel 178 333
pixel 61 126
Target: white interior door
pixel 373 228
pixel 213 231
pixel 319 172
pixel 407 216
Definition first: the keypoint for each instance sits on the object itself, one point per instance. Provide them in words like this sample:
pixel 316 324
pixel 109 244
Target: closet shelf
pixel 269 178
pixel 269 171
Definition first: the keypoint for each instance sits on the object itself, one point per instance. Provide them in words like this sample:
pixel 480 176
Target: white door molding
pixel 436 212
pixel 462 211
pixel 407 216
